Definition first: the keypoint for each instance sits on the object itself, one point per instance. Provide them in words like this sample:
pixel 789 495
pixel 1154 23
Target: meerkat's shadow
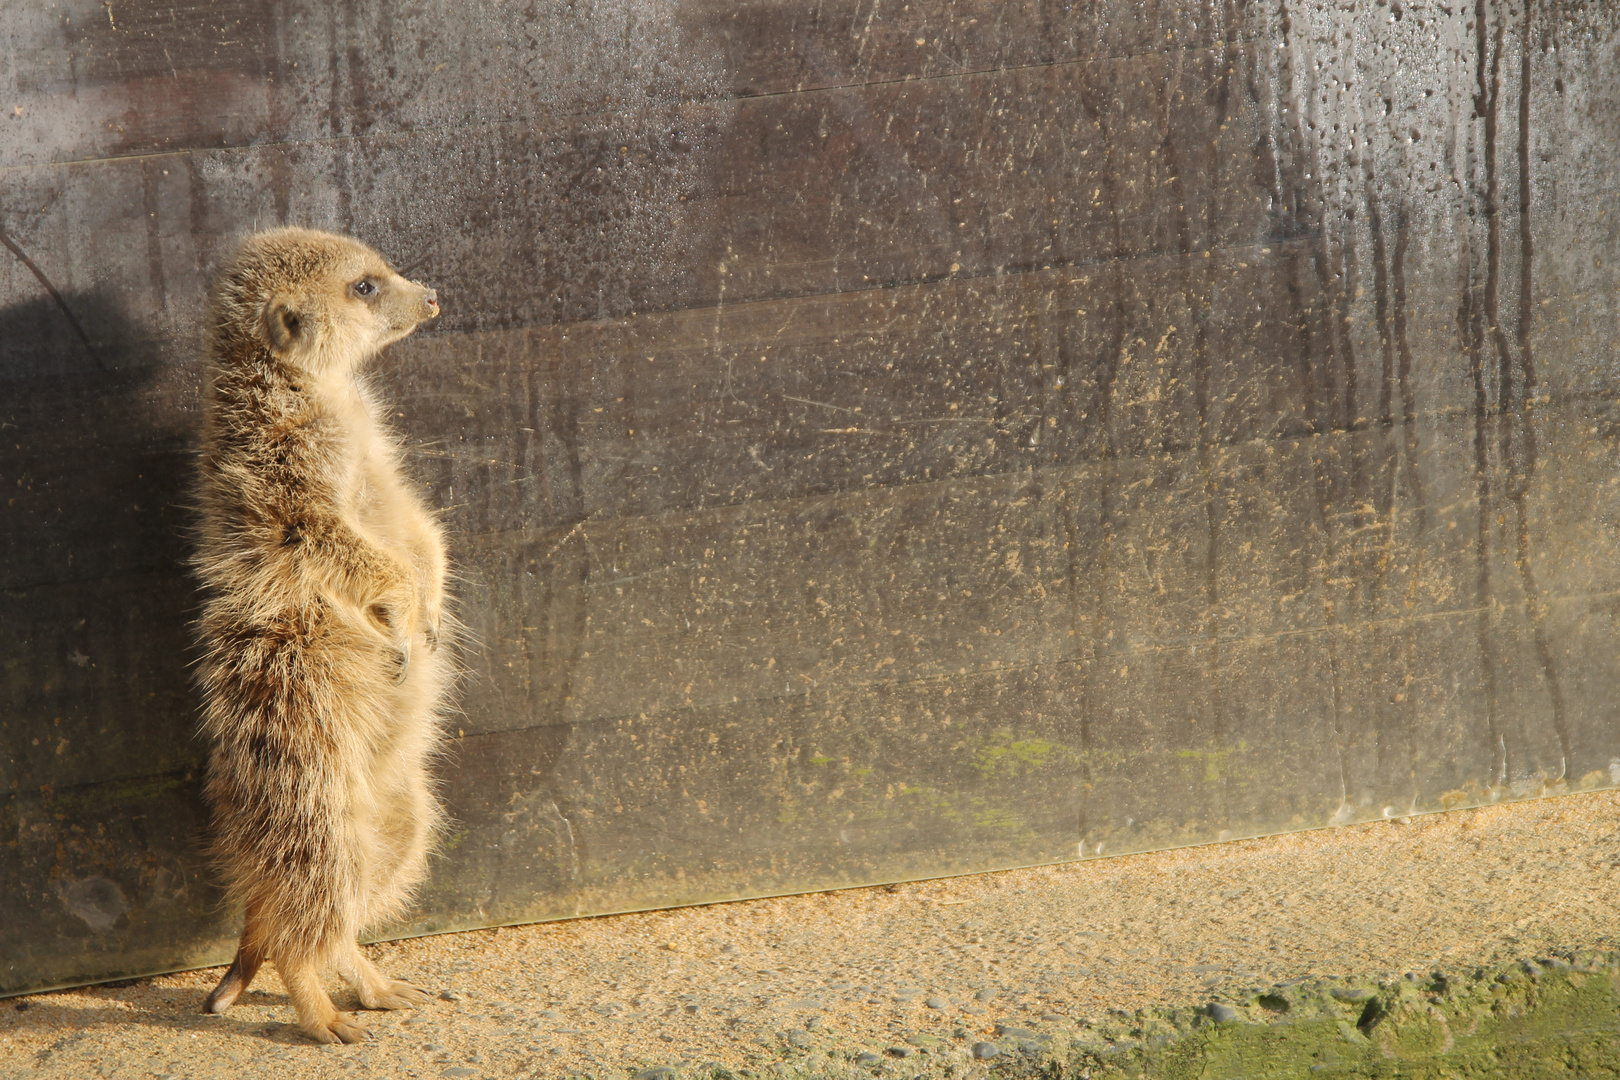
pixel 95 463
pixel 99 468
pixel 177 1013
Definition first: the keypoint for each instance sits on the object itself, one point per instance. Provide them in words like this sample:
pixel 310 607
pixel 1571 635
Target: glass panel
pixel 905 441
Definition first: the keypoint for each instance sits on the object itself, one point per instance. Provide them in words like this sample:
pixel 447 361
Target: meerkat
pixel 324 607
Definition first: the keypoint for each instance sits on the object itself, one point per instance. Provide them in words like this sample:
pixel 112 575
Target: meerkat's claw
pixel 402 662
pixel 431 630
pixel 338 1030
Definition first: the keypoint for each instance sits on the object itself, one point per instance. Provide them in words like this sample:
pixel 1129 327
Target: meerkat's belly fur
pixel 323 672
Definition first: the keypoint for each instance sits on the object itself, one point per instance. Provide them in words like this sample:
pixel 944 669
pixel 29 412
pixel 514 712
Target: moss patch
pixel 1555 1016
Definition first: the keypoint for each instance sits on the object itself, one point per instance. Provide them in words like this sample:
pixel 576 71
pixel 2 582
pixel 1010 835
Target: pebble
pixel 657 1072
pixel 927 1042
pixel 900 1051
pixel 935 1003
pixel 453 995
pixel 984 995
pixel 1222 1014
pixel 549 1014
pixel 971 1011
pixel 1012 1032
pixel 984 1051
pixel 1352 993
pixel 459 1070
pixel 800 1037
pixel 802 1003
pixel 866 1057
pixel 1053 1018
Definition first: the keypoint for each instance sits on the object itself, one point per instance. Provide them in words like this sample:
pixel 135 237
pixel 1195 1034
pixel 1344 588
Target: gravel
pixel 1076 945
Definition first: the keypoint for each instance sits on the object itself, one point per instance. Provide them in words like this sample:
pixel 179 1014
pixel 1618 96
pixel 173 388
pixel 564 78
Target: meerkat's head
pixel 317 300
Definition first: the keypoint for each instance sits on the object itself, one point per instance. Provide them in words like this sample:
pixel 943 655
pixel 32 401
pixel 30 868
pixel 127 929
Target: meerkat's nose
pixel 432 302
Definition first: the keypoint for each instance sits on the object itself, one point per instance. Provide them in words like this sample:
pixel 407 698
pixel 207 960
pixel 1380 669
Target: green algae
pixel 1004 755
pixel 1555 1017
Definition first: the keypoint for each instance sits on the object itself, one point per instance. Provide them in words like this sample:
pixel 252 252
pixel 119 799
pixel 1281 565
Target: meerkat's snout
pixel 426 304
pixel 401 305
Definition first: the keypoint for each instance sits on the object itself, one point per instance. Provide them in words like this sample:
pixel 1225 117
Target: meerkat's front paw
pixel 394 994
pixel 432 608
pixel 339 1029
pixel 396 627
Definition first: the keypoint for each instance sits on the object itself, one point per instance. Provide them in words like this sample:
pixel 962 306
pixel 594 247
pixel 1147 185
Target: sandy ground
pixel 910 975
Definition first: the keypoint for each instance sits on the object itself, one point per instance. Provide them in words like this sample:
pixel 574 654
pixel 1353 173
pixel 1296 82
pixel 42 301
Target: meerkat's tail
pixel 250 955
pixel 236 980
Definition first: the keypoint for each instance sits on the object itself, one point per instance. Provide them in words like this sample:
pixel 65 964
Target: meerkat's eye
pixel 363 288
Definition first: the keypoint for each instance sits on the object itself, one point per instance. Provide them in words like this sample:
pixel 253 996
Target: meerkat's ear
pixel 285 326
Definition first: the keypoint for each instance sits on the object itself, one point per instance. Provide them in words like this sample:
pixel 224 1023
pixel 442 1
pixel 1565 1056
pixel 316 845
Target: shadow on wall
pixel 97 713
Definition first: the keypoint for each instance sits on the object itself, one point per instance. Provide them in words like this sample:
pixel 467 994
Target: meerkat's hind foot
pixel 376 990
pixel 394 994
pixel 317 1017
pixel 340 1028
